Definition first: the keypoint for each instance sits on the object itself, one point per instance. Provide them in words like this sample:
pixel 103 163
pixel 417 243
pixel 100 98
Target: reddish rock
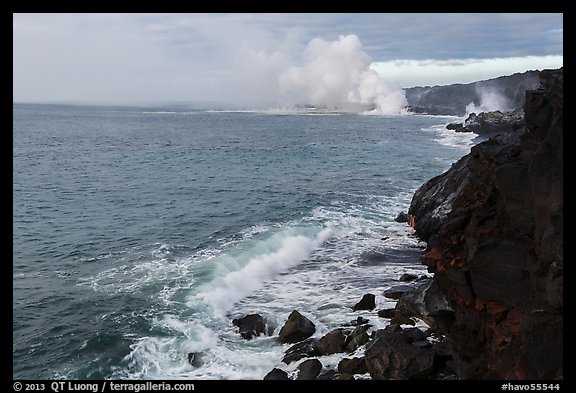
pixel 494 227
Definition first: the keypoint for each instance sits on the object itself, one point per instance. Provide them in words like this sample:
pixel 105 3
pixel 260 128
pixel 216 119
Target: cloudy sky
pixel 240 57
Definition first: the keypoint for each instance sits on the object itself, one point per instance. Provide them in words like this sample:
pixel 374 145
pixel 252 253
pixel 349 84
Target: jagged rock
pixel 296 328
pixel 251 325
pixel 391 357
pixel 433 200
pixel 494 227
pixel 408 277
pixel 458 127
pixel 309 369
pixel 497 122
pixel 352 366
pixel 276 375
pixel 356 338
pixel 366 303
pixel 332 342
pixel 427 303
pixel 303 349
pixel 397 291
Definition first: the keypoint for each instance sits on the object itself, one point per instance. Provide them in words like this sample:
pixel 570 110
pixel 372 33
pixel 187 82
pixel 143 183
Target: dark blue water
pixel 140 232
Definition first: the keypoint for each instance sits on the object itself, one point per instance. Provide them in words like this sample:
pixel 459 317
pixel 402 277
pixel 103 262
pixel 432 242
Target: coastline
pixel 496 294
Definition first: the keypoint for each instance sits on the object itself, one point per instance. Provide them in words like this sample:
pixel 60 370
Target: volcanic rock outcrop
pixel 494 227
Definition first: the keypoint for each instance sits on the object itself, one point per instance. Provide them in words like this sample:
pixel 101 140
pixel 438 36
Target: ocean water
pixel 140 233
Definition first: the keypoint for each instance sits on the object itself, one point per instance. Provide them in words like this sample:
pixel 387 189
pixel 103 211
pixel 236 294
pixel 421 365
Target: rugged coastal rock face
pixel 453 99
pixel 494 227
pixel 491 123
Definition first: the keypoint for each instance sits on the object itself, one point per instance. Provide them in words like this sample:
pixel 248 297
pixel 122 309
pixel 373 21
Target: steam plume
pixel 336 76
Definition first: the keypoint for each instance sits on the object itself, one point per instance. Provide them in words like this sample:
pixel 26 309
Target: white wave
pixel 287 111
pixel 451 138
pixel 171 112
pixel 224 291
pixel 322 254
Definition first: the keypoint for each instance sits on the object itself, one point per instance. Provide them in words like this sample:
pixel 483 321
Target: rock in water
pixel 276 375
pixel 397 291
pixel 366 303
pixel 333 342
pixel 194 358
pixel 408 277
pixel 309 369
pixel 402 217
pixel 296 328
pixel 303 349
pixel 251 325
pixel 386 313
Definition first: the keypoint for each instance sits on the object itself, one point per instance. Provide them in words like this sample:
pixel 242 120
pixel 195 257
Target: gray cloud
pixel 158 57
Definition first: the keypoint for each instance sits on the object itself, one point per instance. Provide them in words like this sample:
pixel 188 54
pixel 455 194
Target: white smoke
pixel 336 76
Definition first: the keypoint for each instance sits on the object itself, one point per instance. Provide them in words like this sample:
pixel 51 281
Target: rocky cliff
pixel 494 227
pixel 504 93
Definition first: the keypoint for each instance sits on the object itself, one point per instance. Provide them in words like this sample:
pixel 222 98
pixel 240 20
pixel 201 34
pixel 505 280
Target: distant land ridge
pixel 509 91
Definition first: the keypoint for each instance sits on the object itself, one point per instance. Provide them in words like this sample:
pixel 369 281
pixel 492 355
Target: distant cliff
pixel 503 93
pixel 494 227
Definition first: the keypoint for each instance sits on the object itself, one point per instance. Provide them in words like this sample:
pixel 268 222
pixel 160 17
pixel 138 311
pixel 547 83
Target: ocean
pixel 139 233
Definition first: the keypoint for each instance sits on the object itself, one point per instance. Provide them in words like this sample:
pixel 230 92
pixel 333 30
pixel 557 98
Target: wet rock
pixel 366 303
pixel 195 359
pixel 309 369
pixel 402 217
pixel 397 291
pixel 427 303
pixel 276 375
pixel 408 277
pixel 352 366
pixel 391 357
pixel 251 326
pixel 345 377
pixel 458 127
pixel 333 342
pixel 303 349
pixel 357 338
pixel 359 321
pixel 386 313
pixel 296 328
